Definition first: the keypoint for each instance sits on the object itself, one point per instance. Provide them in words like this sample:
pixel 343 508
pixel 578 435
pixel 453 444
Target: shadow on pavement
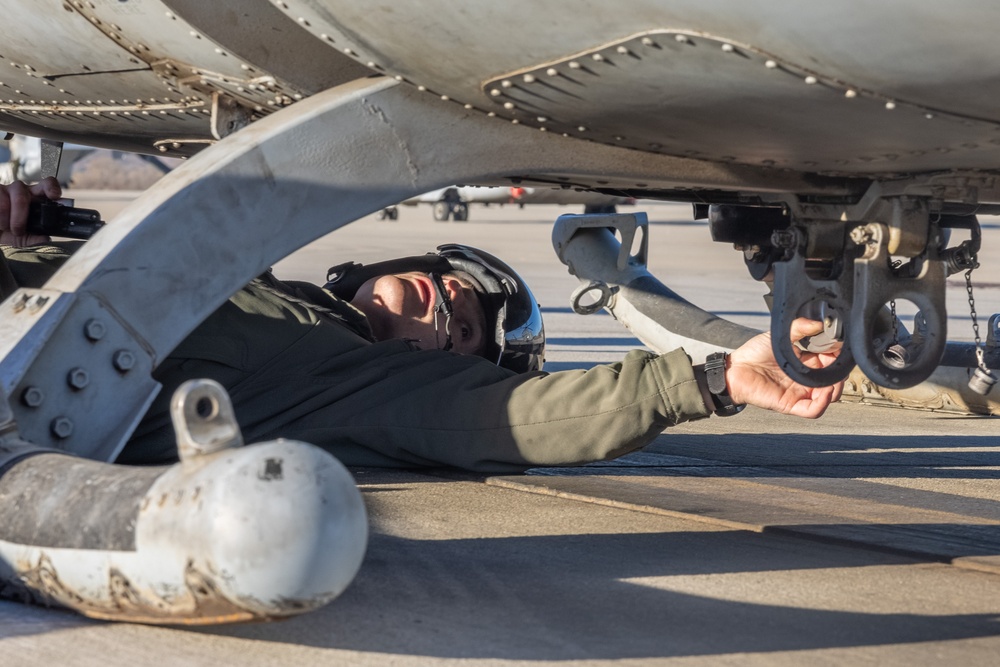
pixel 854 456
pixel 573 597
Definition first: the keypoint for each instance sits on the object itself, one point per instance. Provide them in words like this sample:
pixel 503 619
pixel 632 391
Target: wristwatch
pixel 715 373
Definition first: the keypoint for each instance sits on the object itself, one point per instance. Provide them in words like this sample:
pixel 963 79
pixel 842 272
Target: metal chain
pixel 892 307
pixel 895 322
pixel 975 319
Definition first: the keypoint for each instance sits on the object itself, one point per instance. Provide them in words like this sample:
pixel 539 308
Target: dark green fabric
pixel 299 372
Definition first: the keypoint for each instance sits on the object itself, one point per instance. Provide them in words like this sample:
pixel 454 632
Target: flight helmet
pixel 514 331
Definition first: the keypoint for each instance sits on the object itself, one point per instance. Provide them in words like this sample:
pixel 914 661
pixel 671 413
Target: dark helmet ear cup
pixel 512 314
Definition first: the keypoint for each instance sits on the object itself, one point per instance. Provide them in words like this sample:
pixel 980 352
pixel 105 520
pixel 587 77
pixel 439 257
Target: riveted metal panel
pixel 713 98
pixel 147 84
pixel 930 59
pixel 59 53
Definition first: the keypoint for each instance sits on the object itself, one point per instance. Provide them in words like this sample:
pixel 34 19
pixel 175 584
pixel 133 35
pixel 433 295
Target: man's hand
pixel 15 199
pixel 754 377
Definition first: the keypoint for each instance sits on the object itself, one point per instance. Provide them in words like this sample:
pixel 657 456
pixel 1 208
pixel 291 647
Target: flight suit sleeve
pixel 431 408
pixel 563 418
pixel 34 265
pixel 573 417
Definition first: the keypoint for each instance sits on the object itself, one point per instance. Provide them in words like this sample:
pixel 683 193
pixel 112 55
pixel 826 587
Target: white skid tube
pixel 230 533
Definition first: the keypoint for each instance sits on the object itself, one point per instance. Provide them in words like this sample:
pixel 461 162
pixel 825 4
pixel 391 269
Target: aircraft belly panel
pixel 152 32
pixel 41 47
pixel 711 98
pixel 899 66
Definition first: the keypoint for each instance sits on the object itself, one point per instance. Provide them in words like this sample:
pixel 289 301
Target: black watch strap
pixel 715 373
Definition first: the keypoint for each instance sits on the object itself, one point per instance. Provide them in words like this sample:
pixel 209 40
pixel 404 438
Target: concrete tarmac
pixel 870 536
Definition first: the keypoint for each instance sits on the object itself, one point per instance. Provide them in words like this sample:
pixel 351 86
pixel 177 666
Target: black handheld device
pixel 54 218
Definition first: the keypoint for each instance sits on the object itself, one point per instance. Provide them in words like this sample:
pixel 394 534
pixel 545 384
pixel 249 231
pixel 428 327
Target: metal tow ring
pixel 796 294
pixel 876 283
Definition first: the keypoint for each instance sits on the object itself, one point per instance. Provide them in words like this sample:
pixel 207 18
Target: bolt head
pixel 123 361
pixel 78 378
pixel 94 330
pixel 61 427
pixel 32 397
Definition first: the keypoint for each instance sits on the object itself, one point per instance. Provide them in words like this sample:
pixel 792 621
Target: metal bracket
pixel 100 382
pixel 51 157
pixel 203 420
pixel 875 284
pixel 627 224
pixel 228 116
pixel 797 294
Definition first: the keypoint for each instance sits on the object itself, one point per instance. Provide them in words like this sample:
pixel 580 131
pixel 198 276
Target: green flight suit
pixel 301 364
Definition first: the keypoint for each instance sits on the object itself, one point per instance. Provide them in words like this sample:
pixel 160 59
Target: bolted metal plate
pixel 87 398
pixel 137 82
pixel 711 98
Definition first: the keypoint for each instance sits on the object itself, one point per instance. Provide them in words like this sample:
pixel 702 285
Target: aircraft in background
pixel 453 202
pixel 843 148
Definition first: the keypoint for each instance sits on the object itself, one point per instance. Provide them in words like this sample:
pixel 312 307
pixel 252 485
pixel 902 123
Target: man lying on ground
pixel 423 361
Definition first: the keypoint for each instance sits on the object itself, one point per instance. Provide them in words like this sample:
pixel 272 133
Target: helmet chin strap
pixel 442 304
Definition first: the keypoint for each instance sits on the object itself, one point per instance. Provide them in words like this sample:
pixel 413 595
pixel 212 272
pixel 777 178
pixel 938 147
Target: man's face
pixel 401 305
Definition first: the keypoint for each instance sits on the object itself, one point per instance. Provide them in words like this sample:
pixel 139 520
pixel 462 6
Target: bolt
pixel 94 330
pixel 21 303
pixel 123 361
pixel 32 397
pixel 78 379
pixel 783 238
pixel 37 303
pixel 861 235
pixel 61 427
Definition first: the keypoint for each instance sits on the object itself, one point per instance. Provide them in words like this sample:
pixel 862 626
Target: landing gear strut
pixel 451 206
